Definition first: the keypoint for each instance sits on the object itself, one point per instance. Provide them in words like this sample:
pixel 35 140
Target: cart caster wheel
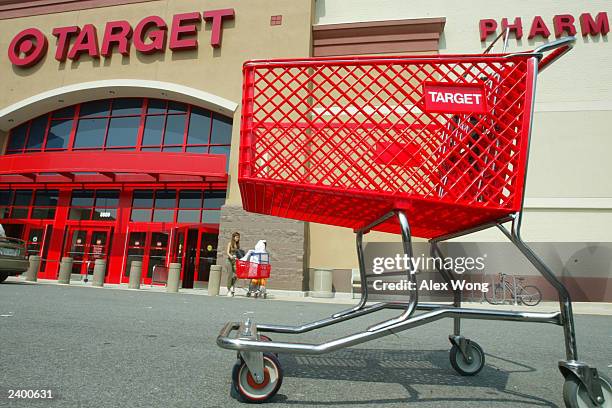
pixel 248 294
pixel 263 337
pixel 248 390
pixel 265 295
pixel 576 396
pixel 464 367
pixel 234 391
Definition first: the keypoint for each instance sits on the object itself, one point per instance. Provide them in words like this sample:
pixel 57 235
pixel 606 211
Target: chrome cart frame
pixel 244 337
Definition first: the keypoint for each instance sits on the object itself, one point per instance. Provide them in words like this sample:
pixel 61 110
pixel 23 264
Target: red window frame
pixel 169 110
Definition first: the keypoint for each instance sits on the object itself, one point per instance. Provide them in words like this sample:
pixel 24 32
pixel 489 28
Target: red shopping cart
pixel 255 273
pixel 427 146
pixel 252 270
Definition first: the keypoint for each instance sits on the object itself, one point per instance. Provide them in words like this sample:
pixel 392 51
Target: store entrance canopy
pixel 109 166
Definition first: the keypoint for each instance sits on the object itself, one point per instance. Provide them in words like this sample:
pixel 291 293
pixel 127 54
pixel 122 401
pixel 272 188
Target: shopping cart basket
pixel 252 270
pixel 427 146
pixel 254 273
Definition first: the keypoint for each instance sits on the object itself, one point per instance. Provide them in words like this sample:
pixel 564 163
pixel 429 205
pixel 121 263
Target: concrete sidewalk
pixel 584 308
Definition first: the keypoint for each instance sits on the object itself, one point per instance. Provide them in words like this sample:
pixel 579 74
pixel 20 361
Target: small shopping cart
pixel 427 146
pixel 255 273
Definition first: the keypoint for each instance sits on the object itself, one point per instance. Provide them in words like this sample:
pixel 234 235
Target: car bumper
pixel 14 266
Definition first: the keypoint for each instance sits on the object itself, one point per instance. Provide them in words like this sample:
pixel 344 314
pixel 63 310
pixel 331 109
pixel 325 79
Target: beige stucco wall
pixel 216 71
pixel 569 195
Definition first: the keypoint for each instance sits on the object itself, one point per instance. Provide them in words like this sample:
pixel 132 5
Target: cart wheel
pixel 576 396
pixel 234 390
pixel 265 295
pixel 464 367
pixel 248 390
pixel 248 294
pixel 531 295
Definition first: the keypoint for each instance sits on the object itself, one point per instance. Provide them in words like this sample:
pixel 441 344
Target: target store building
pixel 119 125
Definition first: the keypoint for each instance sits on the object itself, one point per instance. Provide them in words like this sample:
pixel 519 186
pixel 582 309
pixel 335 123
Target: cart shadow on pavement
pixel 427 370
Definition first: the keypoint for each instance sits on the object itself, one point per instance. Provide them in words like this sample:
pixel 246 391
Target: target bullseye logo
pixel 28 47
pixel 151 35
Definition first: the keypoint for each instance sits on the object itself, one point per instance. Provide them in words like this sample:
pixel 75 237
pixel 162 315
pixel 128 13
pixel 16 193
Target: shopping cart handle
pixel 558 47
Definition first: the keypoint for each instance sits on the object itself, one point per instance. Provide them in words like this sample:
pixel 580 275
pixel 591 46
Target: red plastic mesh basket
pixel 252 270
pixel 342 141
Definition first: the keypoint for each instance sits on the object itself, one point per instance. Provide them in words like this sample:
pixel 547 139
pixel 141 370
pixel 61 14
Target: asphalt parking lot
pixel 118 348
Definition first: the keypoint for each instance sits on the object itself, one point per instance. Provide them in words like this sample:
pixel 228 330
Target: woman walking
pixel 233 252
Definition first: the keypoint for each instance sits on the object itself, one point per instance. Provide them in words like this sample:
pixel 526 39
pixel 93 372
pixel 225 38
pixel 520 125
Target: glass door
pixel 208 254
pixel 77 249
pixel 195 248
pixel 158 253
pixel 191 258
pixel 97 248
pixel 37 240
pixel 182 253
pixel 149 247
pixel 85 245
pixel 136 246
pixel 178 246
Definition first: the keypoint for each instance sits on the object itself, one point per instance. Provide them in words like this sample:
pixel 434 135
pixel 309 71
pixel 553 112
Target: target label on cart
pixel 444 97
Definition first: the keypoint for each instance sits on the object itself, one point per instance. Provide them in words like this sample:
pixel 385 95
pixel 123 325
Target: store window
pixel 132 124
pixel 172 206
pixel 142 206
pixel 45 202
pixel 99 205
pixel 165 202
pixel 190 204
pixel 213 201
pixel 23 204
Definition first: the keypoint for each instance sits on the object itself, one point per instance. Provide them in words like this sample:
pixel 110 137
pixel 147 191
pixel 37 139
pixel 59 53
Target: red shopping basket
pixel 252 270
pixel 342 141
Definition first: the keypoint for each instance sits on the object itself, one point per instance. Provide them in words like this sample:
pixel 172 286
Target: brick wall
pixel 286 244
